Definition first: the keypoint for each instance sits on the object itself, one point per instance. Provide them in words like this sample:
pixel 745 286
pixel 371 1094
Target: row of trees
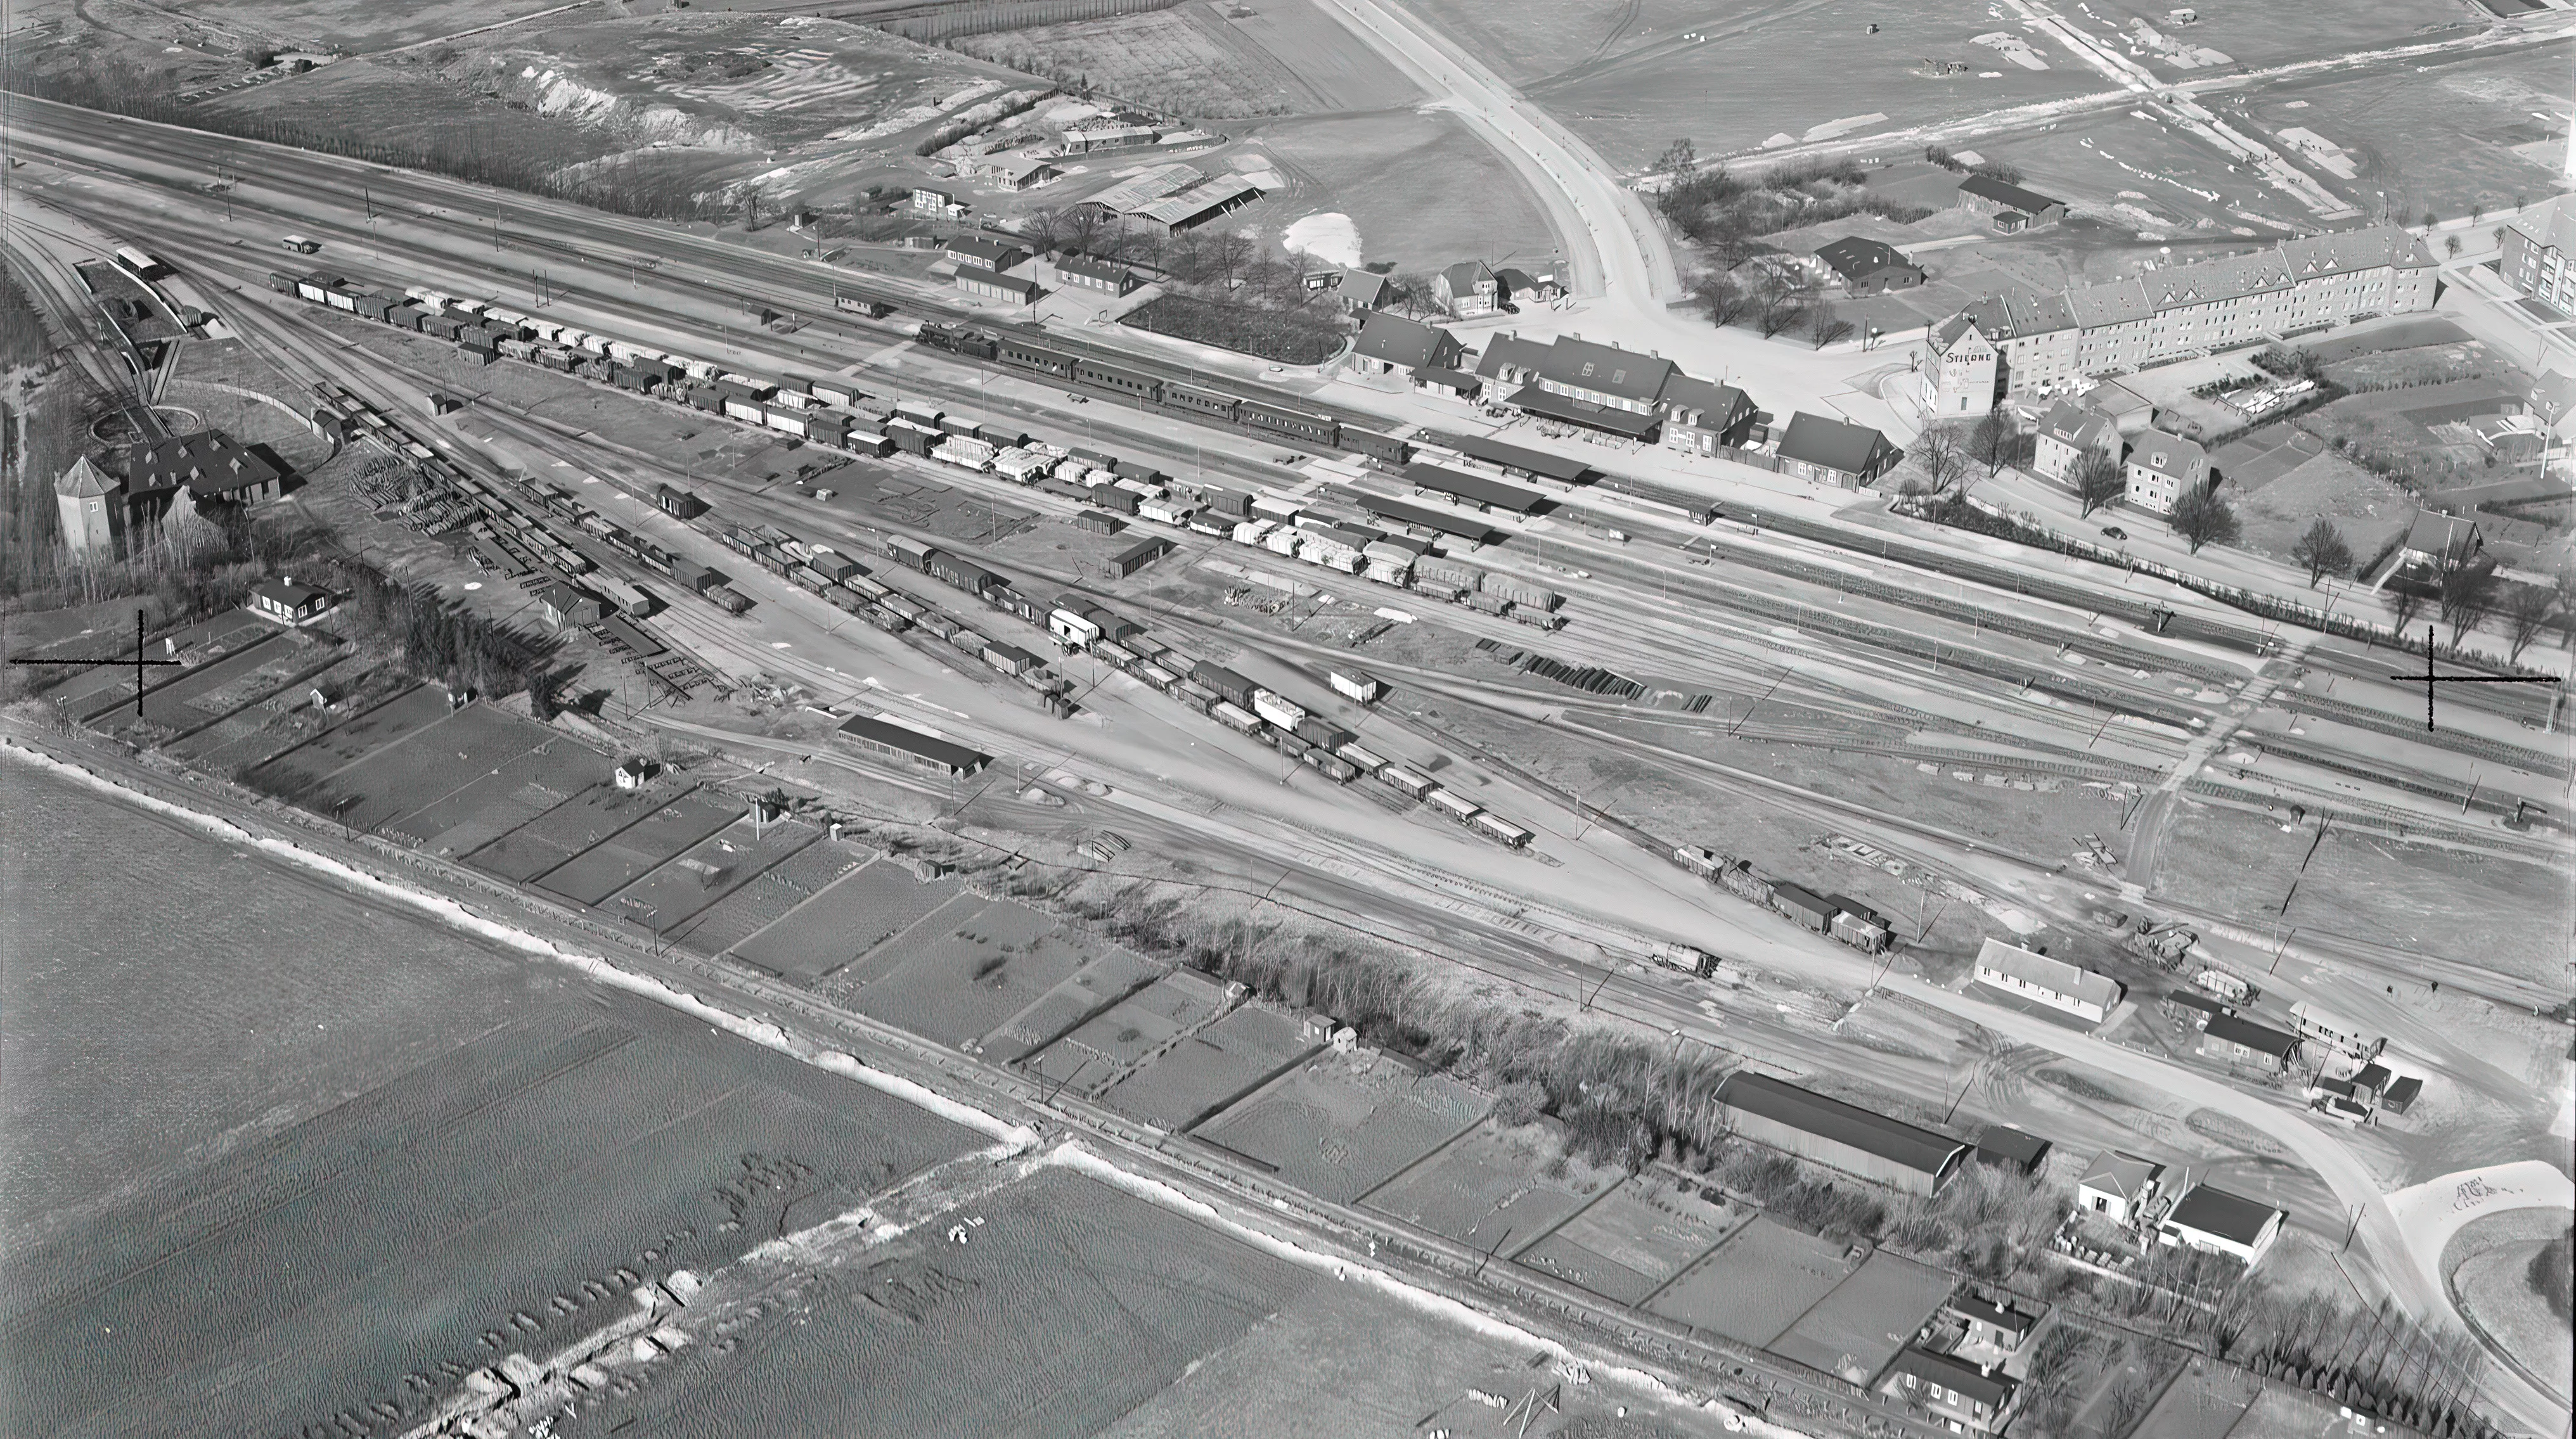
pixel 1774 300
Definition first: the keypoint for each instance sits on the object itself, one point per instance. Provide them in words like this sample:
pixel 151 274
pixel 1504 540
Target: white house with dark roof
pixel 2028 974
pixel 2214 1221
pixel 1967 1397
pixel 1390 344
pixel 2535 257
pixel 1963 373
pixel 2163 468
pixel 2440 543
pixel 287 602
pixel 2054 341
pixel 1869 267
pixel 1701 416
pixel 1469 289
pixel 2067 433
pixel 2117 1186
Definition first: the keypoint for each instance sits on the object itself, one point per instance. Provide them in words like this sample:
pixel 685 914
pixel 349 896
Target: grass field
pixel 1496 1188
pixel 270 1148
pixel 965 979
pixel 1857 1328
pixel 714 868
pixel 354 738
pixel 2488 1268
pixel 668 832
pixel 568 829
pixel 425 765
pixel 1631 1241
pixel 1346 1123
pixel 763 902
pixel 1068 1305
pixel 845 921
pixel 1183 61
pixel 1212 1068
pixel 1757 1283
pixel 513 793
pixel 1421 189
pixel 1337 67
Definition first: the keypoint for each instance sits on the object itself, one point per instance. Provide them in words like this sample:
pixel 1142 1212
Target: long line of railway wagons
pixel 1204 401
pixel 1833 915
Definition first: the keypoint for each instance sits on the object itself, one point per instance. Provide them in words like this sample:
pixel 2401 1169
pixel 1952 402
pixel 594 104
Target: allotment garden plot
pixel 1345 1123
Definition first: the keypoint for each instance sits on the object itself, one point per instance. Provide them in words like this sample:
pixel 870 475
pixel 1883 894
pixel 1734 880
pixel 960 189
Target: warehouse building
pixel 2028 974
pixel 1844 1136
pixel 884 739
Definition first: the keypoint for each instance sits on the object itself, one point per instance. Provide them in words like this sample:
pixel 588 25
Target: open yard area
pixel 2491 1267
pixel 1422 191
pixel 1212 1068
pixel 962 976
pixel 1345 1123
pixel 1757 1283
pixel 1857 1328
pixel 1115 1040
pixel 777 893
pixel 1497 1188
pixel 1632 1240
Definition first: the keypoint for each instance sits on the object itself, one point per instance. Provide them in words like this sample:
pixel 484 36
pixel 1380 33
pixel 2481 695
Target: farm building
pixel 1835 452
pixel 2011 1149
pixel 2210 1219
pixel 984 252
pixel 1969 1398
pixel 284 600
pixel 2233 1039
pixel 1869 267
pixel 1989 196
pixel 1082 272
pixel 903 744
pixel 2117 1186
pixel 1844 1136
pixel 984 284
pixel 1390 344
pixel 2028 974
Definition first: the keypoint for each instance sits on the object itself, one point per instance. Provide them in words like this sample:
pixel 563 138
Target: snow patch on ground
pixel 1330 237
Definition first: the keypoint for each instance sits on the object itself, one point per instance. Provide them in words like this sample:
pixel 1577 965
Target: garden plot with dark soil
pixel 1757 1283
pixel 1631 1241
pixel 1345 1123
pixel 1066 1305
pixel 426 765
pixel 1498 1187
pixel 1103 981
pixel 670 830
pixel 1857 1328
pixel 961 981
pixel 778 892
pixel 300 769
pixel 514 793
pixel 1213 1068
pixel 1114 1040
pixel 714 868
pixel 542 844
pixel 855 915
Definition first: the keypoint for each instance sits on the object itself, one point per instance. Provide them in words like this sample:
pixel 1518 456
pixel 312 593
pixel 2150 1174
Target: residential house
pixel 1361 292
pixel 1835 452
pixel 1468 289
pixel 1702 416
pixel 1965 374
pixel 984 252
pixel 2233 1039
pixel 1086 272
pixel 2028 974
pixel 1969 1398
pixel 2437 544
pixel 2163 468
pixel 568 604
pixel 1991 1326
pixel 1391 344
pixel 1993 198
pixel 1869 267
pixel 2117 1186
pixel 2212 1220
pixel 2053 342
pixel 284 600
pixel 2535 258
pixel 2067 433
pixel 1518 285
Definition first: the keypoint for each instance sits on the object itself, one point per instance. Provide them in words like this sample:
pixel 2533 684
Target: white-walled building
pixel 2031 975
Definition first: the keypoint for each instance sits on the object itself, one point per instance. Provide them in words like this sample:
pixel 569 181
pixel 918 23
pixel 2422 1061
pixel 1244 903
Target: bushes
pixel 1269 334
pixel 441 640
pixel 2551 1275
pixel 1728 213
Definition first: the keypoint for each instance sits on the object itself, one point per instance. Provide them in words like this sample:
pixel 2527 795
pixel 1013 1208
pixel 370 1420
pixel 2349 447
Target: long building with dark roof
pixel 2048 342
pixel 1844 1136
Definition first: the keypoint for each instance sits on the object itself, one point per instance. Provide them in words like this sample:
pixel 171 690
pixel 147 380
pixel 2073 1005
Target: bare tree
pixel 1723 298
pixel 1679 158
pixel 1991 440
pixel 1824 326
pixel 1046 229
pixel 2201 518
pixel 1940 454
pixel 2526 615
pixel 1776 304
pixel 2404 603
pixel 2468 596
pixel 2323 551
pixel 2099 480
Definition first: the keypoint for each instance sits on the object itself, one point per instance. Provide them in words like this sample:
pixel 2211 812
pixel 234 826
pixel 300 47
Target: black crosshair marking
pixel 2431 679
pixel 139 662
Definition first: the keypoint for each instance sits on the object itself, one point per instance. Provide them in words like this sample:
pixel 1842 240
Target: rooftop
pixel 1893 1140
pixel 1516 457
pixel 1585 365
pixel 1834 444
pixel 1396 340
pixel 2216 1212
pixel 1989 188
pixel 913 741
pixel 2261 1038
pixel 1854 256
pixel 2053 975
pixel 1475 489
pixel 2114 1172
pixel 208 462
pixel 1970 1380
pixel 2030 312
